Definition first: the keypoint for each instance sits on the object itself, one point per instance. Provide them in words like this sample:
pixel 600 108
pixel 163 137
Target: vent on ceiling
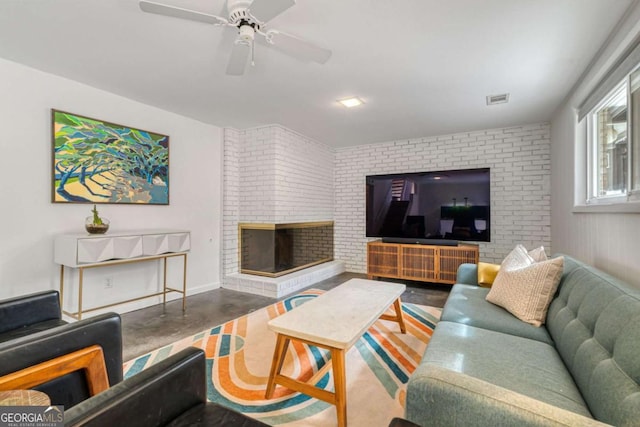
pixel 498 99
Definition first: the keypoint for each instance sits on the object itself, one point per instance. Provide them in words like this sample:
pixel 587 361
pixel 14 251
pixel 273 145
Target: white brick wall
pixel 519 158
pixel 230 201
pixel 304 178
pixel 273 175
pixel 256 160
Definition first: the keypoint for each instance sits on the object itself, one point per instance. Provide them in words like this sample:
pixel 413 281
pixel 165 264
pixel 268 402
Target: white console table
pixel 82 251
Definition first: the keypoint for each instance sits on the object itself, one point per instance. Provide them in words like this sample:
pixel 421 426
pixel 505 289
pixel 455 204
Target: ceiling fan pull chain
pixel 253 64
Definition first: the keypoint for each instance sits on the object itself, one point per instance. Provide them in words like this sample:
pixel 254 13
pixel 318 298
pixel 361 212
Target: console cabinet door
pixel 419 263
pixel 383 259
pixel 451 258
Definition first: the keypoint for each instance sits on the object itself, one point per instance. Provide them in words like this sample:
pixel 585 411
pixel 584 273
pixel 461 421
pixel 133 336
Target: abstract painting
pixel 100 162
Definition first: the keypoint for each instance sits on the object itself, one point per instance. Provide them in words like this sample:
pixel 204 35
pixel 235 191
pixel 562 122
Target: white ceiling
pixel 423 67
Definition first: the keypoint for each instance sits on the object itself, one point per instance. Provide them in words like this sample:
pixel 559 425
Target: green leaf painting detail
pixel 100 162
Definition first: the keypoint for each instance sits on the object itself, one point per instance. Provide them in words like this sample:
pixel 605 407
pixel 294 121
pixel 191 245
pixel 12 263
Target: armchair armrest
pixel 444 397
pixel 27 310
pixel 467 274
pixel 153 397
pixel 103 330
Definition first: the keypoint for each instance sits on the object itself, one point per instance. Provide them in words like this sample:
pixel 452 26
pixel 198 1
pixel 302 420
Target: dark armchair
pixel 29 314
pixel 68 390
pixel 170 393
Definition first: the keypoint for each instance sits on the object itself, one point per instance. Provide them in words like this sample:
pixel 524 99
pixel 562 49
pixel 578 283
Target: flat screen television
pixel 448 205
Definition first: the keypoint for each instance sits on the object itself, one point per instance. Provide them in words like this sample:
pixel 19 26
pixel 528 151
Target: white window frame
pixel 592 196
pixel 630 201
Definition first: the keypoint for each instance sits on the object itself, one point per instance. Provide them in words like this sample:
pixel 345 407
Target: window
pixel 613 131
pixel 635 134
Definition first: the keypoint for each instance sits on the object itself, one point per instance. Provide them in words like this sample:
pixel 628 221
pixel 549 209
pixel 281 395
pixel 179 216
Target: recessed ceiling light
pixel 351 102
pixel 503 98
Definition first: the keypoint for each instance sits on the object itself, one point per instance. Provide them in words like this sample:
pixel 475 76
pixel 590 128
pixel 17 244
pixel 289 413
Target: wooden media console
pixel 425 263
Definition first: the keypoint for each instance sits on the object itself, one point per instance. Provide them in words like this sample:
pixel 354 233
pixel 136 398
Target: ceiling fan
pixel 249 18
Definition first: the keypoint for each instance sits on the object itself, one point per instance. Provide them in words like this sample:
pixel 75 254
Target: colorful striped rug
pixel 239 355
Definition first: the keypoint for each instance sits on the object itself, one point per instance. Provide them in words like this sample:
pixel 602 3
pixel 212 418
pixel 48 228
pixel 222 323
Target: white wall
pixel 609 241
pixel 519 158
pixel 29 221
pixel 273 175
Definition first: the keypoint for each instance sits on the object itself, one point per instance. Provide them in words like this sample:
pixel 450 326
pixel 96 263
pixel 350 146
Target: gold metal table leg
pixel 184 285
pixel 164 285
pixel 61 287
pixel 80 279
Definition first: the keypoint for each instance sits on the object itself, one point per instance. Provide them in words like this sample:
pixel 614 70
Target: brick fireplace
pixel 273 250
pixel 277 176
pixel 278 259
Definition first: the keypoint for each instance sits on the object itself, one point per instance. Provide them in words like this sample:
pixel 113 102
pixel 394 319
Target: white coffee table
pixel 335 321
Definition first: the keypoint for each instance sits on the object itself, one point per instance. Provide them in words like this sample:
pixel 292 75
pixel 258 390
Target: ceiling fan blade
pixel 266 10
pixel 178 12
pixel 298 47
pixel 238 60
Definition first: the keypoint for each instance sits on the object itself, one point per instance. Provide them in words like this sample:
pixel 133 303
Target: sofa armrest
pixel 151 398
pixel 103 330
pixel 467 274
pixel 440 397
pixel 29 309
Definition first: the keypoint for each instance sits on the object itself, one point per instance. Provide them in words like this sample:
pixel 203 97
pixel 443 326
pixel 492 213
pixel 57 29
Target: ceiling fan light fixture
pixel 246 33
pixel 354 101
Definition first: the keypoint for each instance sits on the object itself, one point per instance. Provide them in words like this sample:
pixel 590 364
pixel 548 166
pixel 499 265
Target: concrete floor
pixel 153 327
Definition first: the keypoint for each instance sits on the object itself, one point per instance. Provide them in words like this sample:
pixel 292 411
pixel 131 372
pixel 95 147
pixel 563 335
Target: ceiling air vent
pixel 498 99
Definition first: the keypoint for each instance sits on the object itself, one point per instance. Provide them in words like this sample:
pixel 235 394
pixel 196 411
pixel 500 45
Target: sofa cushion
pixel 529 367
pixel 595 322
pixel 525 287
pixel 467 304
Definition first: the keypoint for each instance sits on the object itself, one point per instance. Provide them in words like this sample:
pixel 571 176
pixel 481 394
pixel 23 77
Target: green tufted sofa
pixel 484 367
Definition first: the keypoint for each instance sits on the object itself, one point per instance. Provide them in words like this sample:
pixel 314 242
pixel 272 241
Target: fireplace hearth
pixel 273 250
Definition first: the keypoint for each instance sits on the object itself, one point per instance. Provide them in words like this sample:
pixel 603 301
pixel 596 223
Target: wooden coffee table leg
pixel 279 353
pixel 398 307
pixel 397 316
pixel 340 384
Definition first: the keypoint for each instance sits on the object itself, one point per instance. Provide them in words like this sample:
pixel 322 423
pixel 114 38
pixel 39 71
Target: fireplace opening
pixel 277 249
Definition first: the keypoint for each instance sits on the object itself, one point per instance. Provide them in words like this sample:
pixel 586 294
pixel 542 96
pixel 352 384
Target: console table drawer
pixel 102 249
pixel 155 244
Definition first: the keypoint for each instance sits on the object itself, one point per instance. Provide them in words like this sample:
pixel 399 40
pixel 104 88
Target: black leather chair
pixel 38 347
pixel 401 422
pixel 29 314
pixel 172 393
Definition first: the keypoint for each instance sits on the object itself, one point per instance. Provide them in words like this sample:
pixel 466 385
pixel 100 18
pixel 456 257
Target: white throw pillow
pixel 525 287
pixel 538 254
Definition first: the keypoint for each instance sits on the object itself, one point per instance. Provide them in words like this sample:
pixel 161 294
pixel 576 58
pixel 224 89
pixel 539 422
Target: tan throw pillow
pixel 524 287
pixel 487 273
